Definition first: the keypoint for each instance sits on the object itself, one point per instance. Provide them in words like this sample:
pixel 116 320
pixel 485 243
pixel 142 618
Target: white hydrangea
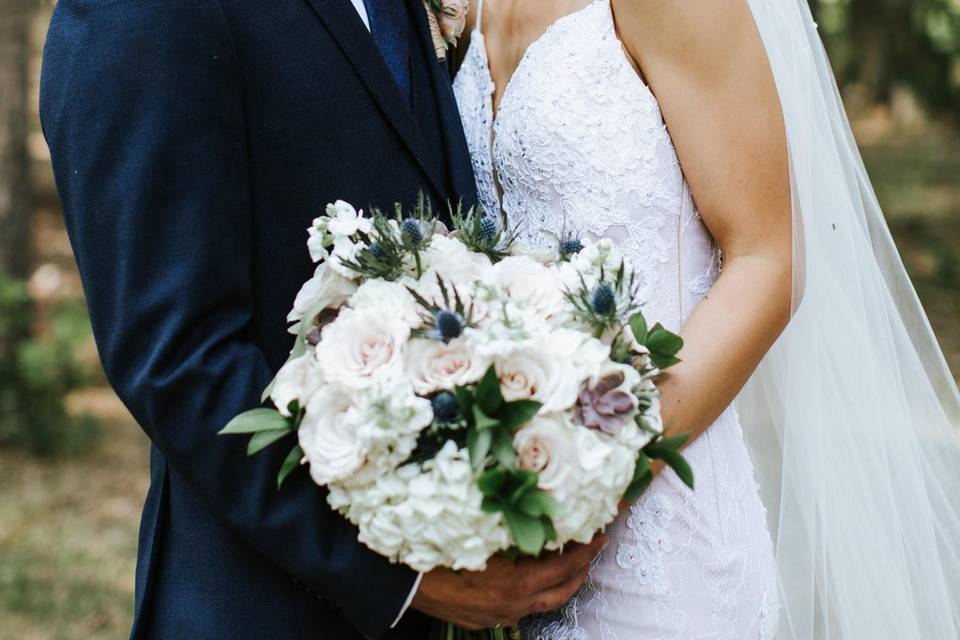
pixel 427 516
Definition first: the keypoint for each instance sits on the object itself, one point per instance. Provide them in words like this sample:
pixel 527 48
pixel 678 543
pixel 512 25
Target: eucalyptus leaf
pixel 291 462
pixel 256 420
pixel 263 439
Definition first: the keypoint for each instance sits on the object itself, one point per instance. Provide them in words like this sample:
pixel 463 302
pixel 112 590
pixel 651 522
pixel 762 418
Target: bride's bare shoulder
pixel 686 33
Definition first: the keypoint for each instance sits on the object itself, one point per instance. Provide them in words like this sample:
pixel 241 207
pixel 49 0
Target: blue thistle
pixel 571 246
pixel 488 228
pixel 448 324
pixel 445 407
pixel 376 250
pixel 412 232
pixel 603 300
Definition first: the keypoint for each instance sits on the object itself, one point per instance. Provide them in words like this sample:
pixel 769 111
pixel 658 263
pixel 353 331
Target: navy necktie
pixel 390 27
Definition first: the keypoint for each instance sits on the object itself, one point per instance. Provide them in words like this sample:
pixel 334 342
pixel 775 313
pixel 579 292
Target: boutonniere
pixel 447 19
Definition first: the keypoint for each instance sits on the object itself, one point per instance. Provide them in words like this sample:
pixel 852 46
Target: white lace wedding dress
pixel 579 144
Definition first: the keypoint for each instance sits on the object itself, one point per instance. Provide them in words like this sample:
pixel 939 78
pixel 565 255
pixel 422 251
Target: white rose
pixel 550 368
pixel 328 437
pixel 432 365
pixel 360 347
pixel 298 379
pixel 387 299
pixel 454 262
pixel 326 289
pixel 528 283
pixel 353 437
pixel 546 445
pixel 460 270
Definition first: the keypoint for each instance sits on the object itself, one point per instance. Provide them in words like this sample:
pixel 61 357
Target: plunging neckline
pixel 478 31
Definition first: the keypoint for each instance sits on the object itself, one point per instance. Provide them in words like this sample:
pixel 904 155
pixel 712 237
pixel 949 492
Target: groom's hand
pixel 508 590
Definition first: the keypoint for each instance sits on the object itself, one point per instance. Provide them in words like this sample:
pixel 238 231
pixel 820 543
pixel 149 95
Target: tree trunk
pixel 15 188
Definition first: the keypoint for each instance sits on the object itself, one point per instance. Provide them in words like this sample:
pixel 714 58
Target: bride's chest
pixel 577 122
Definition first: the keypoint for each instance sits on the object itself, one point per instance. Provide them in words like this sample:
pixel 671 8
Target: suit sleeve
pixel 142 107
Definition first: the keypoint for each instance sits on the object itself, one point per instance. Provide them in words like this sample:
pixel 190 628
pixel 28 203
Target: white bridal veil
pixel 853 416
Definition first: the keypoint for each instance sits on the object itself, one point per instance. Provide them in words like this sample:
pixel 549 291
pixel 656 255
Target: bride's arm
pixel 706 64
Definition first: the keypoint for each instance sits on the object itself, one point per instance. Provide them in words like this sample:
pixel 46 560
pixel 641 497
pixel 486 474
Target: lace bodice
pixel 579 145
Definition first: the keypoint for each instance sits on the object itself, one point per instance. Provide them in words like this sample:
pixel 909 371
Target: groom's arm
pixel 143 111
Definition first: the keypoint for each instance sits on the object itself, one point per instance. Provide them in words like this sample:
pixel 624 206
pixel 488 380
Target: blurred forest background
pixel 73 466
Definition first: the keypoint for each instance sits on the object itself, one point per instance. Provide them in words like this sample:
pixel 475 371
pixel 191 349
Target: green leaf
pixel 637 487
pixel 527 481
pixel 674 443
pixel 491 482
pixel 642 477
pixel 676 462
pixel 539 503
pixel 490 505
pixel 503 450
pixel 263 439
pixel 638 325
pixel 513 415
pixel 663 361
pixel 291 462
pixel 488 395
pixel 664 342
pixel 306 325
pixel 528 532
pixel 478 445
pixel 256 420
pixel 481 421
pixel 464 399
pixel 267 390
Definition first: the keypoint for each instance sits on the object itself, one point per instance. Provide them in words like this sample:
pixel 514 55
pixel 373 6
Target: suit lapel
pixel 344 24
pixel 457 153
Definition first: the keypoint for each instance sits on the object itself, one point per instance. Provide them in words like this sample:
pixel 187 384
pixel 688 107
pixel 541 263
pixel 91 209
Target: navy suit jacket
pixel 193 141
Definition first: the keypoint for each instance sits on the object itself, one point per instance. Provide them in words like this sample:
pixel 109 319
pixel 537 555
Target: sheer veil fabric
pixel 852 418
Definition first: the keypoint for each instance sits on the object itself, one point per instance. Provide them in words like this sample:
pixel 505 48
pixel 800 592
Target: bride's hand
pixel 508 590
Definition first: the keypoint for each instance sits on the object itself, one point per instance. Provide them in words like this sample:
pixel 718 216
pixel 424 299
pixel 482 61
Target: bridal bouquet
pixel 459 396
